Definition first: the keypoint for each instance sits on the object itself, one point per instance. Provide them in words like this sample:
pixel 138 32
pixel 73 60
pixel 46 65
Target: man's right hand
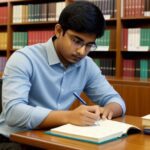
pixel 84 115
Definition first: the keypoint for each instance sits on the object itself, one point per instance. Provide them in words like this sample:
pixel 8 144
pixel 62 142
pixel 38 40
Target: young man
pixel 39 80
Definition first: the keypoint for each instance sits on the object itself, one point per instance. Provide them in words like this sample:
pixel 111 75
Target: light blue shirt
pixel 35 82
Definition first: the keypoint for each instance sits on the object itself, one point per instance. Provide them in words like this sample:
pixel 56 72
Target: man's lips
pixel 77 58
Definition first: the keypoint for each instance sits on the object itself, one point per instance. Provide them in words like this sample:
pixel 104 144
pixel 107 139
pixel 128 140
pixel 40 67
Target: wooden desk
pixel 39 139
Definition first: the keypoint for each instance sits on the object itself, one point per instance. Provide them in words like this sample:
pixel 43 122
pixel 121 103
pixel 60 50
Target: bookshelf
pixel 134 90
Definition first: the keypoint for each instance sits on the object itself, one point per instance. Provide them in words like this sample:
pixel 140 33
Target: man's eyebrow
pixel 78 38
pixel 92 42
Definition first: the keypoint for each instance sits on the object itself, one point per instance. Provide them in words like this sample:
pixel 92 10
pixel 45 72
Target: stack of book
pixel 146 124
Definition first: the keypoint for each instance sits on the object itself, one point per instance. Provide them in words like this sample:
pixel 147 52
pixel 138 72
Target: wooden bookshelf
pixel 135 87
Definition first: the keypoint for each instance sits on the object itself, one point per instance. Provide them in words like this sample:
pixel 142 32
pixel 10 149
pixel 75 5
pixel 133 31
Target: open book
pixel 103 131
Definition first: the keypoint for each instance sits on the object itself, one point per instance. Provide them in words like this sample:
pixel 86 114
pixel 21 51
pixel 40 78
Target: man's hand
pixel 106 113
pixel 110 110
pixel 84 115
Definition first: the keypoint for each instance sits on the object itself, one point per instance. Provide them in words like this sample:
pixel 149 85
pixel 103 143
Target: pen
pixel 79 98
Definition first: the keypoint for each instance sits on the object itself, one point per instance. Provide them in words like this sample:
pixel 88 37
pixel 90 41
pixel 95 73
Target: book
pixel 146 121
pixel 146 124
pixel 101 132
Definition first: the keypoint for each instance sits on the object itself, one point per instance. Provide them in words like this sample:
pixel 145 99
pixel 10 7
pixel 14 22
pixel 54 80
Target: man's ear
pixel 58 30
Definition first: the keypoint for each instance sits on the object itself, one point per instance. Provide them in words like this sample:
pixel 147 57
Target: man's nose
pixel 81 50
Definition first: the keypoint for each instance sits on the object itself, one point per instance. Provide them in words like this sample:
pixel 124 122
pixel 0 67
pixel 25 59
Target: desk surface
pixel 40 139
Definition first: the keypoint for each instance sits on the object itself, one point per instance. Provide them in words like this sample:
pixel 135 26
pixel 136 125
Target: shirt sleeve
pixel 99 90
pixel 16 87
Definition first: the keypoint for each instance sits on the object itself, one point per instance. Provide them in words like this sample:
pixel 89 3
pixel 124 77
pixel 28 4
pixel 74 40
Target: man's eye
pixel 76 41
pixel 89 45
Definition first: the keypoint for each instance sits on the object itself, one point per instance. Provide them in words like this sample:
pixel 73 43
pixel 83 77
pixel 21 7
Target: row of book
pixel 3 40
pixel 3 60
pixel 108 7
pixel 51 11
pixel 103 42
pixel 136 39
pixel 21 39
pixel 37 12
pixel 107 65
pixel 135 8
pixel 107 41
pixel 136 68
pixel 131 67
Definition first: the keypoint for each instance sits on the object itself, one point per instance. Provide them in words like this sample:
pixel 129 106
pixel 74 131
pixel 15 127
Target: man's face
pixel 72 46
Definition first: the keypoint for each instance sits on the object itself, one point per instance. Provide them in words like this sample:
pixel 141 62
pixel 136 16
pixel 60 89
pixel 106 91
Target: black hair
pixel 84 17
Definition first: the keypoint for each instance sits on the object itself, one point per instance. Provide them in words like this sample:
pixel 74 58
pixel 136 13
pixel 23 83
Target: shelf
pixel 135 55
pixel 34 23
pixel 102 54
pixel 111 19
pixel 129 81
pixel 3 52
pixel 33 26
pixel 3 3
pixel 33 1
pixel 136 22
pixel 135 18
pixel 111 22
pixel 3 25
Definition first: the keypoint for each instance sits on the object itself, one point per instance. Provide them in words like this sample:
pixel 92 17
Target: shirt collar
pixel 51 53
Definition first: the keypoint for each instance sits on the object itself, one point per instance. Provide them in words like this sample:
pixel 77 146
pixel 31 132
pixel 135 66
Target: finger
pixel 110 115
pixel 93 112
pixel 105 114
pixel 92 116
pixel 88 121
pixel 101 111
pixel 95 109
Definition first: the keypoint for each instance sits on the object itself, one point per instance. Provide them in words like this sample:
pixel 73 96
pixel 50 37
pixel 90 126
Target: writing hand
pixel 84 115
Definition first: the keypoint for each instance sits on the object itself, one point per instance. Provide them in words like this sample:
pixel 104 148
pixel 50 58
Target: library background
pixel 123 53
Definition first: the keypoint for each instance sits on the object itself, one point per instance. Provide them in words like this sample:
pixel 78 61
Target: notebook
pixel 103 131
